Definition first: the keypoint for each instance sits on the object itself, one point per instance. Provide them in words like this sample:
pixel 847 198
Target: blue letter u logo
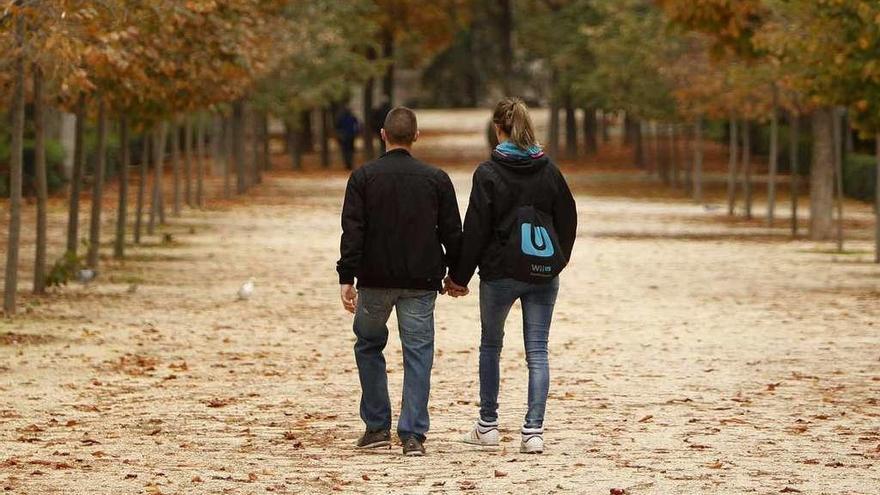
pixel 536 241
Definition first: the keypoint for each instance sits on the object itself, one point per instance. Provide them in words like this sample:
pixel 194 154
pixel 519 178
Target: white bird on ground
pixel 86 275
pixel 246 290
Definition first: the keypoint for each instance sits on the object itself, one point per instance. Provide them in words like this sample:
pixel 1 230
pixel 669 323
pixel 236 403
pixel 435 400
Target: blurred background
pixel 171 176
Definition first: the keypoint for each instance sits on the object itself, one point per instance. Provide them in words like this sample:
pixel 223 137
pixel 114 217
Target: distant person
pixel 401 229
pixel 379 114
pixel 519 229
pixel 347 129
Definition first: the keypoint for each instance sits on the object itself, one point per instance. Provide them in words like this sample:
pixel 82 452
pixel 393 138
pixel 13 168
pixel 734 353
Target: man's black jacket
pixel 399 216
pixel 499 185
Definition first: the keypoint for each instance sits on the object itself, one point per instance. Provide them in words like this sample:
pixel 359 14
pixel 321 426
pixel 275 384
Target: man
pixel 401 229
pixel 347 129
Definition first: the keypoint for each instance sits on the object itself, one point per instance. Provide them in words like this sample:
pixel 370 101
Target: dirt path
pixel 686 357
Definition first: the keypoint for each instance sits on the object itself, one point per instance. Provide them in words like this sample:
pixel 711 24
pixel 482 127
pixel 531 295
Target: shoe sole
pixel 480 444
pixel 375 445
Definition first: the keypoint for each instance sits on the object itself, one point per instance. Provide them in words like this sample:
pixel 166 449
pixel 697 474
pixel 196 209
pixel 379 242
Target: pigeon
pixel 246 290
pixel 86 275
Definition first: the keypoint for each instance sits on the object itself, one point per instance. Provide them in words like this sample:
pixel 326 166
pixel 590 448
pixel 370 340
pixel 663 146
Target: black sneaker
pixel 372 439
pixel 413 447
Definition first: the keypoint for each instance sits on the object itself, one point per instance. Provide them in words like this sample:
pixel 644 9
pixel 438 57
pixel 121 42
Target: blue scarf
pixel 510 150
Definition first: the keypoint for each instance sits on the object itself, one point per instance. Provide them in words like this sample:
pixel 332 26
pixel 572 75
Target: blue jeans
pixel 415 321
pixel 496 299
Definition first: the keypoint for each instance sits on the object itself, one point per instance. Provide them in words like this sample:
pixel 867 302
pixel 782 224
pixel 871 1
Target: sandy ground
pixel 688 355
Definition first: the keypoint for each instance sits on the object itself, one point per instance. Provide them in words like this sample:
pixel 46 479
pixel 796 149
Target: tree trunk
pixel 877 200
pixel 664 152
pixel 822 176
pixel 175 167
pixel 657 162
pixel 229 156
pixel 325 138
pixel 79 158
pixel 218 140
pixel 506 30
pixel 122 208
pixel 142 186
pixel 158 171
pixel 200 161
pixel 16 151
pixel 697 181
pixel 307 136
pixel 388 77
pixel 674 155
pixel 606 128
pixel 839 117
pixel 747 167
pixel 794 158
pixel 686 136
pixel 187 160
pixel 294 143
pixel 98 188
pixel 638 145
pixel 553 138
pixel 591 143
pixel 369 125
pixel 256 147
pixel 238 145
pixel 41 183
pixel 733 149
pixel 627 128
pixel 265 142
pixel 774 166
pixel 571 138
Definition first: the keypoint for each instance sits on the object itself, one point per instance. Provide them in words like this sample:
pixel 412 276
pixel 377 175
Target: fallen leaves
pixel 466 485
pixel 500 474
pixel 219 402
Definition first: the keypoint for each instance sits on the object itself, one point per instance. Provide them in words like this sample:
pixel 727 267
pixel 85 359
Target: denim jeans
pixel 496 299
pixel 415 321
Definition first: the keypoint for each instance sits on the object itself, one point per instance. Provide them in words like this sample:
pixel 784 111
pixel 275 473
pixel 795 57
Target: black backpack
pixel 531 249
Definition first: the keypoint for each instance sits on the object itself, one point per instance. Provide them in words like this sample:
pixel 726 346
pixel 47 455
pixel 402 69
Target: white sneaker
pixel 484 434
pixel 532 441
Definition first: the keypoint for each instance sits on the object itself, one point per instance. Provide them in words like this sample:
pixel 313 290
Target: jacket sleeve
pixel 565 216
pixel 449 222
pixel 353 228
pixel 477 229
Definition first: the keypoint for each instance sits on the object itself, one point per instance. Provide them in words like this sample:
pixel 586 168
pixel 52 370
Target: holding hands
pixel 453 289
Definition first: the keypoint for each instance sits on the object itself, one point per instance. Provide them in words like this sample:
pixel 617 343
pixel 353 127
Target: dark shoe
pixel 374 438
pixel 413 447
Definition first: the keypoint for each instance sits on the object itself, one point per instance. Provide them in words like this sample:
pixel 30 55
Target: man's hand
pixel 453 289
pixel 349 297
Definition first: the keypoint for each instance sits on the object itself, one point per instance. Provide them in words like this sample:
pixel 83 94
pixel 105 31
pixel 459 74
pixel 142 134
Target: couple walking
pixel 402 231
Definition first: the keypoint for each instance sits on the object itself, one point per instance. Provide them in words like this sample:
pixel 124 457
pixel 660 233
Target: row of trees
pixel 807 68
pixel 178 82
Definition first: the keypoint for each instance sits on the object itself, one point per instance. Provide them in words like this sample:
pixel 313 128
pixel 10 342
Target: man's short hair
pixel 401 126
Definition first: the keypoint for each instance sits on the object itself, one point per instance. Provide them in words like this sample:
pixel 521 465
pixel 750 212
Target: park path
pixel 687 356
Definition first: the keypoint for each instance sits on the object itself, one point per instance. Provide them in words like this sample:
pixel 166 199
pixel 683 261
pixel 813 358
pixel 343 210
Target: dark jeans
pixel 496 299
pixel 415 321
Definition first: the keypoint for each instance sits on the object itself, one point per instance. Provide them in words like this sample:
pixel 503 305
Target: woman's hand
pixel 453 289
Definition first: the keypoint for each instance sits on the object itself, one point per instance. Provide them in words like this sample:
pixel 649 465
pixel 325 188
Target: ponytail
pixel 512 116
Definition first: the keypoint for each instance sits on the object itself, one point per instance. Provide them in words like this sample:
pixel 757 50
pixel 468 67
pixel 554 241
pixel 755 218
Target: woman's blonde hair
pixel 512 116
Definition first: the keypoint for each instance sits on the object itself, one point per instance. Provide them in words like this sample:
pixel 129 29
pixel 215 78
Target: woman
pixel 519 229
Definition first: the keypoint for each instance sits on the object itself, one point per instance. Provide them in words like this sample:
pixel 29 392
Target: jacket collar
pixel 396 151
